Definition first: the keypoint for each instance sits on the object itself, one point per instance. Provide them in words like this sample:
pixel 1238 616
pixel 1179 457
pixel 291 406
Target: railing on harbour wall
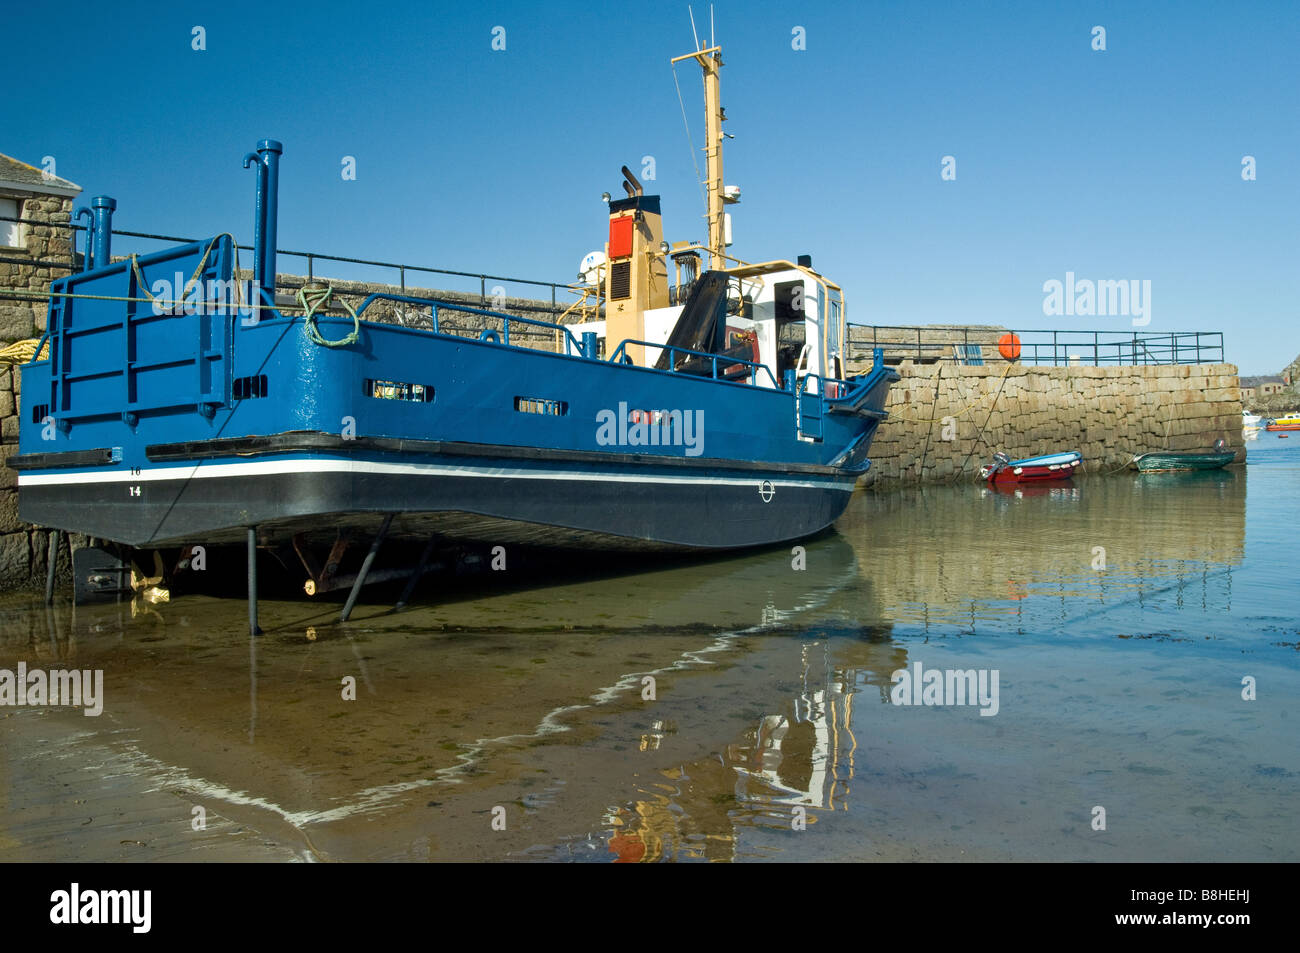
pixel 72 263
pixel 1047 347
pixel 929 344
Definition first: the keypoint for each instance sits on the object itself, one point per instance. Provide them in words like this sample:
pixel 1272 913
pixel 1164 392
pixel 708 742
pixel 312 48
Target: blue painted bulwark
pixel 188 423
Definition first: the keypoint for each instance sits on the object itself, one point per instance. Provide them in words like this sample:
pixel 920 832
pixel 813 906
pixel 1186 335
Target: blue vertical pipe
pixel 266 215
pixel 259 216
pixel 88 259
pixel 269 150
pixel 102 227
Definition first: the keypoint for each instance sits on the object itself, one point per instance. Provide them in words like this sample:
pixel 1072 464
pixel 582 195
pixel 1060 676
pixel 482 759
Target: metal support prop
pixel 253 627
pixel 365 569
pixel 415 576
pixel 52 559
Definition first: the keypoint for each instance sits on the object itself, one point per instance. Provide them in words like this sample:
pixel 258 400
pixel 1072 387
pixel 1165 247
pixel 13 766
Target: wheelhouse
pixel 779 318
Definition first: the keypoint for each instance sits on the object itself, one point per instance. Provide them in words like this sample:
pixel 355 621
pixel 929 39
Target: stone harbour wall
pixel 23 547
pixel 1109 414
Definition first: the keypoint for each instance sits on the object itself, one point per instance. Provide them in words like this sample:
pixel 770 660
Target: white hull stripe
pixel 217 471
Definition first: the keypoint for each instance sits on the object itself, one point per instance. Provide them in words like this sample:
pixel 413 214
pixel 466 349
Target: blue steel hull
pixel 150 429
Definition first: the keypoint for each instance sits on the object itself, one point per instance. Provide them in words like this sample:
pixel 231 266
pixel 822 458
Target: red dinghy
pixel 1052 466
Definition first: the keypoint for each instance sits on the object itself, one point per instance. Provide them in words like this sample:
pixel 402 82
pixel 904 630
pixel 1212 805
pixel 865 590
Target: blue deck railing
pixel 620 355
pixel 487 334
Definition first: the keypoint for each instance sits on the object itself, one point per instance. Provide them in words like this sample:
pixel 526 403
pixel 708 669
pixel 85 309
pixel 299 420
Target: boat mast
pixel 710 61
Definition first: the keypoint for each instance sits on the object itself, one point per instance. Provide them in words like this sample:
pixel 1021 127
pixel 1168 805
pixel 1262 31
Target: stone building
pixel 1265 386
pixel 31 255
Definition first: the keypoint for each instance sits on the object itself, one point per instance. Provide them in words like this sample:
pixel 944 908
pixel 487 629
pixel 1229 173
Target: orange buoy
pixel 1009 346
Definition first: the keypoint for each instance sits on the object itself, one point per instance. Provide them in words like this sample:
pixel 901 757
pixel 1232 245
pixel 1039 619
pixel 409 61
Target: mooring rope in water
pixel 1123 466
pixel 312 300
pixel 920 474
pixel 904 418
pixel 979 437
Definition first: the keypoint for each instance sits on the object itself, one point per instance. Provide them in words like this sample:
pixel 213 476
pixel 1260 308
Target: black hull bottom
pixel 610 510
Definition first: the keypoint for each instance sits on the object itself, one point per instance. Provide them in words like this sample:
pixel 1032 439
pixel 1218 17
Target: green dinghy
pixel 1184 459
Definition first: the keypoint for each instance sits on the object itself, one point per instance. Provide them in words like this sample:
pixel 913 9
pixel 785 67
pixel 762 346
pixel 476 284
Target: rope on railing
pixel 194 278
pixel 312 300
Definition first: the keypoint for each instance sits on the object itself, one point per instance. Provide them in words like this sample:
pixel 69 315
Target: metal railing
pixel 1043 347
pixel 487 334
pixel 71 263
pixel 932 344
pixel 620 355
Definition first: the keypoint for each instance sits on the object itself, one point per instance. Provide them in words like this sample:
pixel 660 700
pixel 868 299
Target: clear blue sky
pixel 1113 165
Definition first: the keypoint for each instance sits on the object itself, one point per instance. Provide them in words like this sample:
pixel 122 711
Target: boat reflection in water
pixel 772 691
pixel 451 695
pixel 947 555
pixel 1056 491
pixel 980 560
pixel 785 770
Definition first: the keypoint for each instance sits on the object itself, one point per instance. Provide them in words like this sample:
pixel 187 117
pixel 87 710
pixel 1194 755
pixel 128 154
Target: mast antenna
pixel 710 63
pixel 694 33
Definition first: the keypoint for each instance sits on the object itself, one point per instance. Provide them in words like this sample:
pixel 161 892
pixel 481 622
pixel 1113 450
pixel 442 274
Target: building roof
pixel 1264 379
pixel 22 177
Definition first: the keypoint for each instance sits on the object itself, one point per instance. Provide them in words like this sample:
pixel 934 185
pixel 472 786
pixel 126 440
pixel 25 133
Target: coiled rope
pixel 312 301
pixel 22 352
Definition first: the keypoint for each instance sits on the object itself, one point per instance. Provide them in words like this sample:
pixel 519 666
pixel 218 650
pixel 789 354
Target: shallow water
pixel 518 699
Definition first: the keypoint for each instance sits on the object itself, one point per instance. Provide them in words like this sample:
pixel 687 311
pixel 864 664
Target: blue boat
pixel 173 402
pixel 1050 466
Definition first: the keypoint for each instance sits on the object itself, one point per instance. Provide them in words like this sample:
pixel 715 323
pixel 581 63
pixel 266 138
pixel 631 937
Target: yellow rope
pixel 22 352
